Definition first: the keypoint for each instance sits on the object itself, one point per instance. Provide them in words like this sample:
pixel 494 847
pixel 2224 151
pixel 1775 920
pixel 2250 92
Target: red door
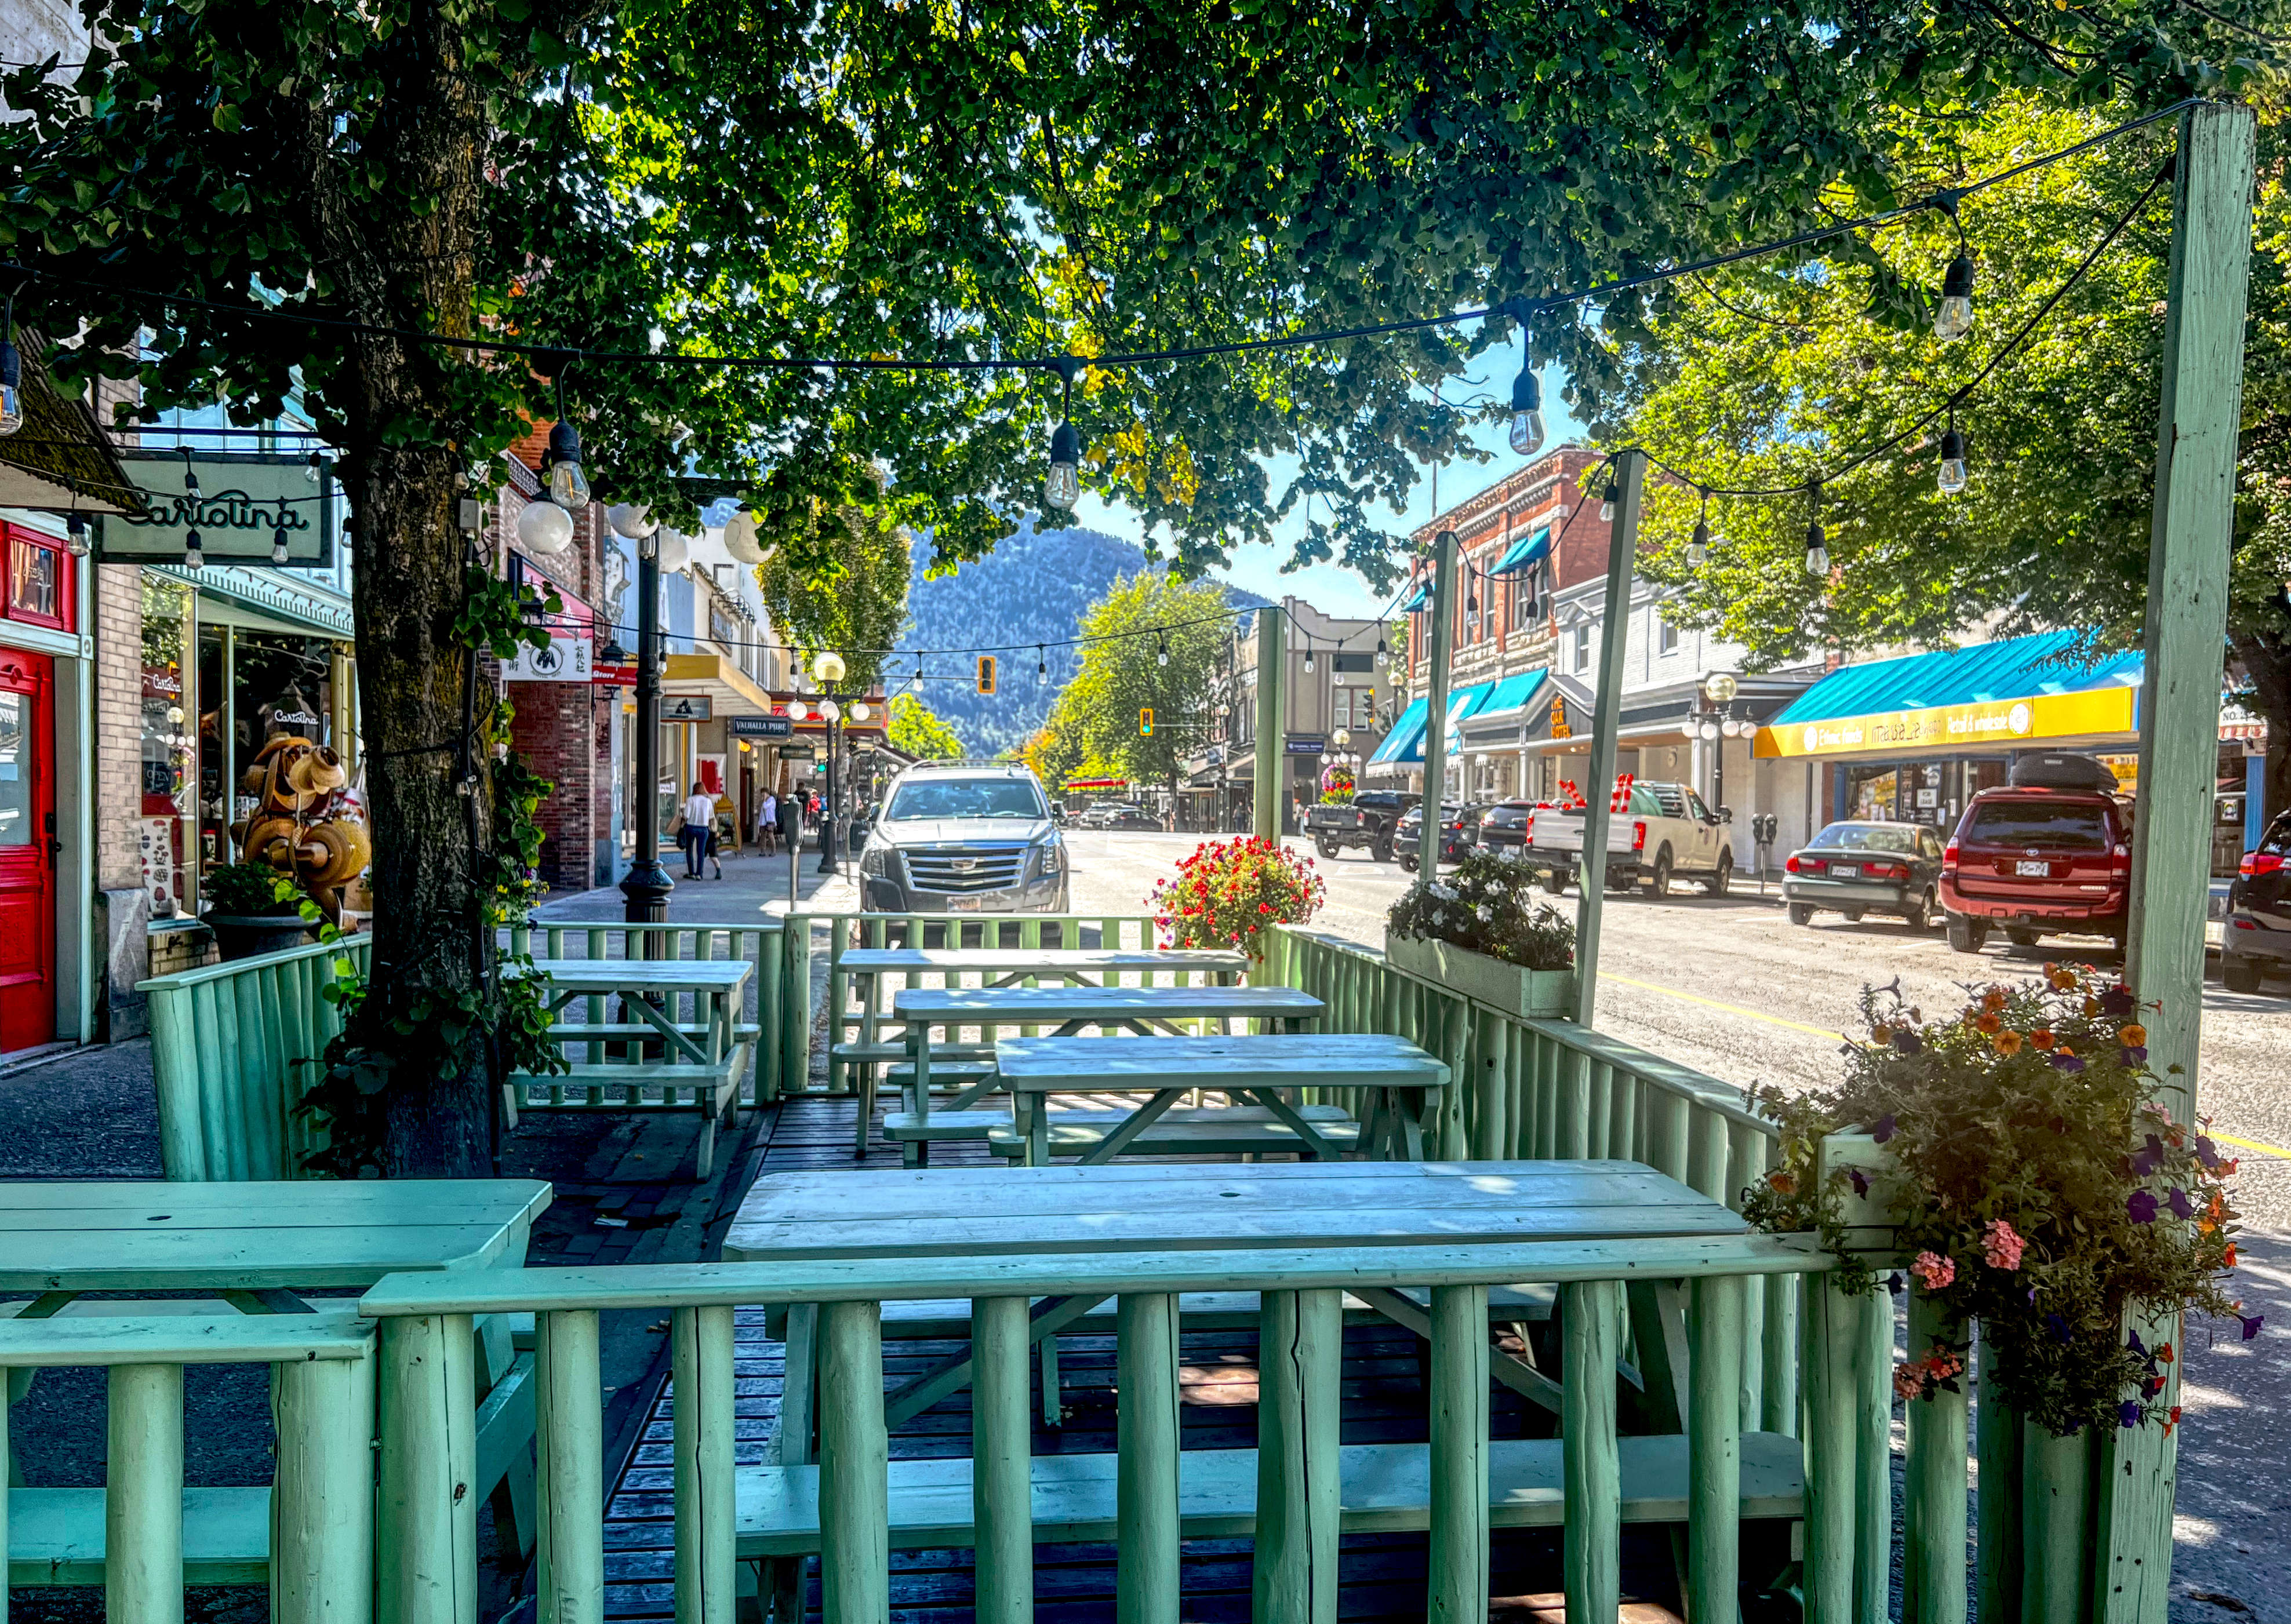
pixel 28 849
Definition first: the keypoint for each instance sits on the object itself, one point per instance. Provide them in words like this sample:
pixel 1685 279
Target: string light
pixel 1953 318
pixel 1041 662
pixel 1817 542
pixel 1309 656
pixel 1607 502
pixel 1383 655
pixel 1527 402
pixel 1063 488
pixel 278 545
pixel 194 550
pixel 1952 459
pixel 568 487
pixel 1698 545
pixel 76 532
pixel 1161 650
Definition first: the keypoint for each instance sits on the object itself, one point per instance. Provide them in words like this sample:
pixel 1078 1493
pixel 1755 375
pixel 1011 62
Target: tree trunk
pixel 426 1008
pixel 2266 660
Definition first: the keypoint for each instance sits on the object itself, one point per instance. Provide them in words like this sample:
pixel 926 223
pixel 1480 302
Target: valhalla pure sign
pixel 240 504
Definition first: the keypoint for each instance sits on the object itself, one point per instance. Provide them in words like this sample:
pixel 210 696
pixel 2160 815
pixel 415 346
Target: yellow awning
pixel 733 690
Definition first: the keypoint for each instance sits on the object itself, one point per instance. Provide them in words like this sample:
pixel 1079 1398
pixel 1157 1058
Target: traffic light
pixel 1145 723
pixel 986 673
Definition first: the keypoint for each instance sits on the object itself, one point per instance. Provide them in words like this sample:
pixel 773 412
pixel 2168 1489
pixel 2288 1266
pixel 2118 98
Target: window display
pixel 168 830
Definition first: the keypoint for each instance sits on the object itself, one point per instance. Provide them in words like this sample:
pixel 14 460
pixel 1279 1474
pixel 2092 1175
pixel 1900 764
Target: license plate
pixel 966 905
pixel 2040 870
pixel 1845 871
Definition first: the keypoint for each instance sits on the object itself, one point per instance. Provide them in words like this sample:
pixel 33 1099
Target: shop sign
pixel 1989 722
pixel 566 659
pixel 799 752
pixel 1559 727
pixel 762 726
pixel 1306 745
pixel 687 708
pixel 244 499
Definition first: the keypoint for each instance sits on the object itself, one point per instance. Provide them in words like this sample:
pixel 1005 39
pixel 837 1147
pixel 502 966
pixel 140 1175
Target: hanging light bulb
pixel 1041 662
pixel 313 467
pixel 194 550
pixel 76 534
pixel 1526 410
pixel 568 487
pixel 1063 488
pixel 1954 317
pixel 1607 504
pixel 1698 545
pixel 278 545
pixel 12 375
pixel 1161 648
pixel 1952 461
pixel 1309 656
pixel 1817 542
pixel 1383 655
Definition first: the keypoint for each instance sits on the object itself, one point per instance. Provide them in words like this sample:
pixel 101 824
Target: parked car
pixel 1369 822
pixel 964 837
pixel 1665 830
pixel 2257 937
pixel 1459 826
pixel 1857 867
pixel 2050 854
pixel 1132 817
pixel 1503 829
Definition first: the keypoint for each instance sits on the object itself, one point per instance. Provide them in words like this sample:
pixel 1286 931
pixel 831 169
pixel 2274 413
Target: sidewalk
pixel 751 885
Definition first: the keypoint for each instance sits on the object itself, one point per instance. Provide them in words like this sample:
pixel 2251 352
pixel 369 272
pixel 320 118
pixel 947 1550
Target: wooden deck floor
pixel 1383 1403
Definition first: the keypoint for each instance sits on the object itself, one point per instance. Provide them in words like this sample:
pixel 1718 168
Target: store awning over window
pixel 1404 747
pixel 2002 694
pixel 1510 694
pixel 1524 554
pixel 1418 599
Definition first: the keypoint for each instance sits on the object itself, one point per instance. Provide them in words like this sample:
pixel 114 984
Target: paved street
pixel 1732 988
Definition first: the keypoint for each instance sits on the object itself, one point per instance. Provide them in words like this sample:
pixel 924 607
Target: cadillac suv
pixel 964 837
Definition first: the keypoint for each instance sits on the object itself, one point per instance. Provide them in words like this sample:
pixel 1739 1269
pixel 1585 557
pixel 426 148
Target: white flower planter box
pixel 1491 981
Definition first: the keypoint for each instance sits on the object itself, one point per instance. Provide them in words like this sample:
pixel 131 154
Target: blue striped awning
pixel 1524 554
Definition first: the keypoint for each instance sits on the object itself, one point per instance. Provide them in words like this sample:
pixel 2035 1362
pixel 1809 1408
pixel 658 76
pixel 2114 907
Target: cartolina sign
pixel 242 505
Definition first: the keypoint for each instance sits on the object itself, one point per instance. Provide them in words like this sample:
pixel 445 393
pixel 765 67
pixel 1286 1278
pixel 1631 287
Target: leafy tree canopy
pixel 916 730
pixel 1155 643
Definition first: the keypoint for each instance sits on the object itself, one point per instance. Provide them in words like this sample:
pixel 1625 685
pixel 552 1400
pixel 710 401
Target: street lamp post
pixel 646 884
pixel 828 671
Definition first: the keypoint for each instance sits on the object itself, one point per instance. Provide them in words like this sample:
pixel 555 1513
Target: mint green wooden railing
pixel 761 941
pixel 1536 1089
pixel 227 1046
pixel 851 1018
pixel 143 1537
pixel 1295 1513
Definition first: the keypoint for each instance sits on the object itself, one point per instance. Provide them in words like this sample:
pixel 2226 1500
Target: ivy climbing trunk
pixel 414 269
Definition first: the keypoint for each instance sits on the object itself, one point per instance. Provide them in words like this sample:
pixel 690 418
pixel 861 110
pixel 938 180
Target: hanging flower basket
pixel 1228 892
pixel 2018 1163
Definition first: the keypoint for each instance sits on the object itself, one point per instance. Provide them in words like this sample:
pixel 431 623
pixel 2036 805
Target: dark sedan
pixel 1858 867
pixel 1460 829
pixel 1503 829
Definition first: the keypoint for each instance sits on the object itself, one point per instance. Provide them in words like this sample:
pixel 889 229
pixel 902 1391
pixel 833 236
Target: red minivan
pixel 2035 862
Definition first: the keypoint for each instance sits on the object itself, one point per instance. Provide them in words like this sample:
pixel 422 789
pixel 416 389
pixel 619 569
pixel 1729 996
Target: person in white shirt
pixel 699 817
pixel 767 824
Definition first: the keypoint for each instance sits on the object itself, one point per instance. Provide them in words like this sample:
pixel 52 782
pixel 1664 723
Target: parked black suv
pixel 1366 822
pixel 2257 938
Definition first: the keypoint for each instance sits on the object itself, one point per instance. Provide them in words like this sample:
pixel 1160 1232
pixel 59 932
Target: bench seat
pixel 1206 1130
pixel 885 1053
pixel 1386 1488
pixel 621 1031
pixel 910 1127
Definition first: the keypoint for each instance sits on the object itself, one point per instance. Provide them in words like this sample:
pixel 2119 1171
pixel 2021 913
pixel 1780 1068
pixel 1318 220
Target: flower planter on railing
pixel 1512 988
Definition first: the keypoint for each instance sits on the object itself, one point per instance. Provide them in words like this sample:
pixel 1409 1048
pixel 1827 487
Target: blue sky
pixel 1330 587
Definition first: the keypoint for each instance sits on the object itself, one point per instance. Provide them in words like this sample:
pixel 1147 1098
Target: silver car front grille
pixel 959 870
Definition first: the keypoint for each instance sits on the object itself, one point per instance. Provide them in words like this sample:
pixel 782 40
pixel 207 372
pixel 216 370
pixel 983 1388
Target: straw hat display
pixel 306 824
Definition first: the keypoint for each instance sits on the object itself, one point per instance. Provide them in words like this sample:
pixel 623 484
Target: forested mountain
pixel 1030 591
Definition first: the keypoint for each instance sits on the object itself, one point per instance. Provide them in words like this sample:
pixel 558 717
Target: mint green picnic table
pixel 1066 1010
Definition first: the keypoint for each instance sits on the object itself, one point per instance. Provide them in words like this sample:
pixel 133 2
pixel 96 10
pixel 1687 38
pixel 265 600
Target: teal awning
pixel 1418 599
pixel 1524 554
pixel 1407 735
pixel 2012 668
pixel 1511 694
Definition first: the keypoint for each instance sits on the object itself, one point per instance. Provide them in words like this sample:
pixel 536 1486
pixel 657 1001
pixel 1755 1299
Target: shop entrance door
pixel 28 849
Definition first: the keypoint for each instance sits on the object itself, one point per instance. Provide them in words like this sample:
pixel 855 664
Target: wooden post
pixel 1271 767
pixel 1436 699
pixel 706 1568
pixel 143 1500
pixel 1591 1539
pixel 427 1555
pixel 571 1487
pixel 2197 419
pixel 1001 1460
pixel 1458 1577
pixel 1629 475
pixel 322 1495
pixel 1146 1578
pixel 1300 1343
pixel 1933 1513
pixel 854 1513
pixel 1714 1507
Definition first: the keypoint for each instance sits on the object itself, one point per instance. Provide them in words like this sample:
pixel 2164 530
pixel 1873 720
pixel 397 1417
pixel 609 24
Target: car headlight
pixel 1054 857
pixel 876 860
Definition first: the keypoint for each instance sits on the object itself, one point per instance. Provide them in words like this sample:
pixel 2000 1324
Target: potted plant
pixel 1229 891
pixel 1474 931
pixel 2020 1158
pixel 254 908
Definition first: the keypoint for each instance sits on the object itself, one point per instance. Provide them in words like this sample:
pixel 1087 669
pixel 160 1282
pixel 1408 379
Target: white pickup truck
pixel 1661 833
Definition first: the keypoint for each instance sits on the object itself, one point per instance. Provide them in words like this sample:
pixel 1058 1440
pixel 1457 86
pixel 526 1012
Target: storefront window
pixel 1872 791
pixel 35 577
pixel 253 685
pixel 168 830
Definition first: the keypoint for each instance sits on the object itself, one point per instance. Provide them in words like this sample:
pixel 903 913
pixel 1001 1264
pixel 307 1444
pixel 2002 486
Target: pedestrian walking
pixel 719 826
pixel 699 821
pixel 767 824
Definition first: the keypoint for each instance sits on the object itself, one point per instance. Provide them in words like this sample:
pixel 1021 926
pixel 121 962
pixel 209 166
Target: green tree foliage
pixel 844 589
pixel 917 731
pixel 1143 617
pixel 1765 378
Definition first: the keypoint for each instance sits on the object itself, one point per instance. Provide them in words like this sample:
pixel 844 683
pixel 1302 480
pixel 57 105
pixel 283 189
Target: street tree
pixel 1152 644
pixel 435 224
pixel 1765 380
pixel 916 730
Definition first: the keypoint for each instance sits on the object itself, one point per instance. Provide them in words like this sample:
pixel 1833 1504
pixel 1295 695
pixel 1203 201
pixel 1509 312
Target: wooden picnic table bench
pixel 702 1059
pixel 1253 1072
pixel 870 970
pixel 1067 1010
pixel 251 1248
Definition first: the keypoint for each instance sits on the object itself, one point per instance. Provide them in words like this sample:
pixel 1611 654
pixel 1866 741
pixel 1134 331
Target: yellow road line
pixel 1712 1003
pixel 1824 1032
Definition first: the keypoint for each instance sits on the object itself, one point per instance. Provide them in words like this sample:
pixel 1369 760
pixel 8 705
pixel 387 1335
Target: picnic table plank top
pixel 658 974
pixel 1275 1059
pixel 1066 961
pixel 150 1235
pixel 1184 1206
pixel 1071 1003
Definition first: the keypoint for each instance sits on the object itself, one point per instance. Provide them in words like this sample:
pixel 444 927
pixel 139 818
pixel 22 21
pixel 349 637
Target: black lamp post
pixel 646 884
pixel 827 669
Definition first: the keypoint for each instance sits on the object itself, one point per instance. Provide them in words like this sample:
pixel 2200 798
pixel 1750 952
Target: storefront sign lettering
pixel 241 504
pixel 2097 712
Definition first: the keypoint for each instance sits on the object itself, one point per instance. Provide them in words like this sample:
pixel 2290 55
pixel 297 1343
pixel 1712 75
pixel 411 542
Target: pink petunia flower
pixel 2001 1246
pixel 1934 1271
